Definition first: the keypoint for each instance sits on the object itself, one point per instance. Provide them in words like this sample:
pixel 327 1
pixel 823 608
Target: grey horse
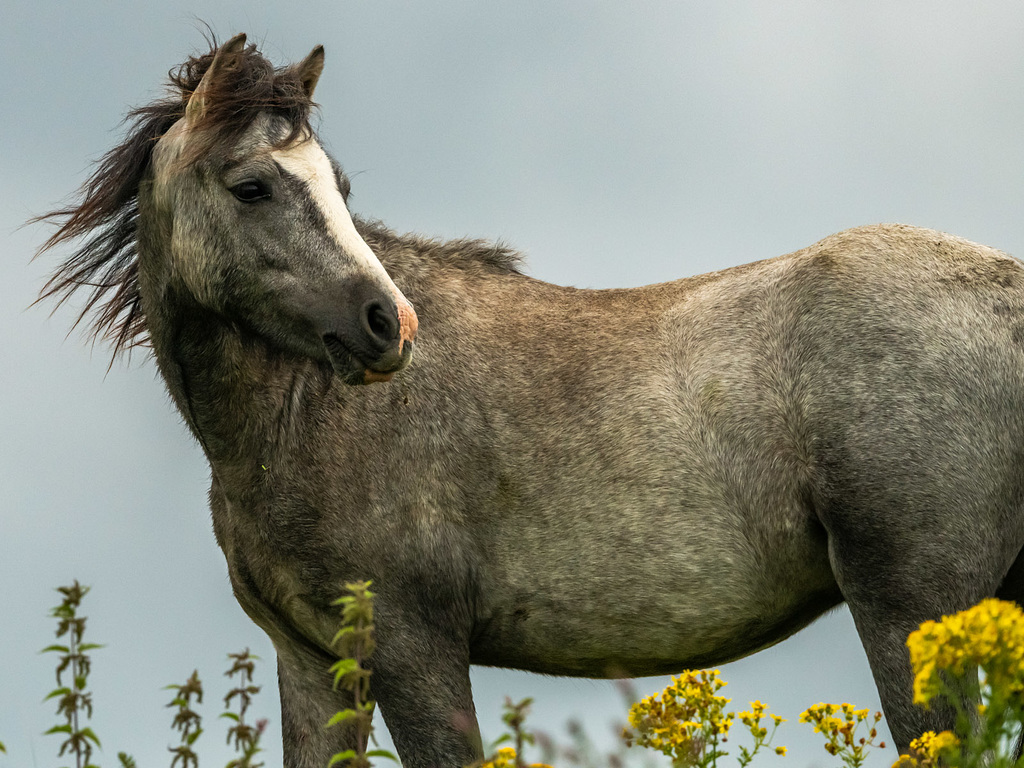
pixel 574 482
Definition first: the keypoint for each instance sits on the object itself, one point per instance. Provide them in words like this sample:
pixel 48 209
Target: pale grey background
pixel 616 143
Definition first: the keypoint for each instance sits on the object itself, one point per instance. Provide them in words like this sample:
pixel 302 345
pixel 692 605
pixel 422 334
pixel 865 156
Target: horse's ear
pixel 223 60
pixel 310 69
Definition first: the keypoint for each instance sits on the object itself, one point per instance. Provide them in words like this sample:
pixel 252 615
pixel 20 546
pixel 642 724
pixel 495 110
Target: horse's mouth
pixel 352 370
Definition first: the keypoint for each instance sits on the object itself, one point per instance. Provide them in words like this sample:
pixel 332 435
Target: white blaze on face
pixel 307 160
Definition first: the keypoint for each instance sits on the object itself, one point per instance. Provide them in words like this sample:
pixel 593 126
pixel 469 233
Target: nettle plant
pixel 75 703
pixel 355 644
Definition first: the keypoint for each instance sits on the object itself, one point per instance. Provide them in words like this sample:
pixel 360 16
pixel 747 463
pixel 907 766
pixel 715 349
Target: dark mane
pixel 463 253
pixel 106 209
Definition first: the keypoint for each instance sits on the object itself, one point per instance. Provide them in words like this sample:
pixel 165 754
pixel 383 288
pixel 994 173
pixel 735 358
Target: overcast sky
pixel 615 143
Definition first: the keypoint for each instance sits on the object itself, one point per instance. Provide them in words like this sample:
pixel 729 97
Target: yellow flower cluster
pixel 989 635
pixel 935 745
pixel 839 725
pixel 682 721
pixel 688 721
pixel 506 758
pixel 752 720
pixel 930 750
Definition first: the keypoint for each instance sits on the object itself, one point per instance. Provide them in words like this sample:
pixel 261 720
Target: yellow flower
pixel 935 745
pixel 838 724
pixel 506 758
pixel 780 750
pixel 905 761
pixel 990 635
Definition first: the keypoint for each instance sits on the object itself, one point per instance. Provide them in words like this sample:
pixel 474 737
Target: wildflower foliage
pixel 246 736
pixel 514 717
pixel 931 750
pixel 945 654
pixel 971 662
pixel 186 721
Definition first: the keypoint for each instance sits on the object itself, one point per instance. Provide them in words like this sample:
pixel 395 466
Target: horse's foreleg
pixel 308 701
pixel 421 683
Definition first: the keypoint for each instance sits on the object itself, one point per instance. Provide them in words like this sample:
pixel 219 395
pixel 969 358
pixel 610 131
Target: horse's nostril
pixel 380 323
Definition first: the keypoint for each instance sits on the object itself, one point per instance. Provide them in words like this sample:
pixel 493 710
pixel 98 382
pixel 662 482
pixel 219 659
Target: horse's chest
pixel 278 570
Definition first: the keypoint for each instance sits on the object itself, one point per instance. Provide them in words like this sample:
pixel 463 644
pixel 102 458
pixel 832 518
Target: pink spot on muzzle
pixel 407 320
pixel 408 324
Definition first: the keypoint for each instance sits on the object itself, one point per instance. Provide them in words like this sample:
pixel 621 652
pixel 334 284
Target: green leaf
pixel 127 761
pixel 192 737
pixel 341 668
pixel 340 717
pixel 381 753
pixel 344 665
pixel 230 716
pixel 347 630
pixel 88 734
pixel 57 692
pixel 3 748
pixel 56 649
pixel 59 729
pixel 348 754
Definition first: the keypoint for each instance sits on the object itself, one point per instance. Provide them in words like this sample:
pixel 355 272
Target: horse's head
pixel 251 216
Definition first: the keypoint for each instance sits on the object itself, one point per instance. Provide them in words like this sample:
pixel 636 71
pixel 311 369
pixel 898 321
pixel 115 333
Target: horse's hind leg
pixel 902 560
pixel 888 601
pixel 1012 586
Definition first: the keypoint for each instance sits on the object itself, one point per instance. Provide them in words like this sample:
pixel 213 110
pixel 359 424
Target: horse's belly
pixel 640 623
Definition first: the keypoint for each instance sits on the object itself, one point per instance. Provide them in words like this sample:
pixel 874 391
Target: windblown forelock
pixel 249 86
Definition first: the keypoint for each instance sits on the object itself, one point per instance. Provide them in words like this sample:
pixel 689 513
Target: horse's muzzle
pixel 374 342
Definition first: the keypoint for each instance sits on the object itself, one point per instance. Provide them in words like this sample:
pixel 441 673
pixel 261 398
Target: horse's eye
pixel 251 191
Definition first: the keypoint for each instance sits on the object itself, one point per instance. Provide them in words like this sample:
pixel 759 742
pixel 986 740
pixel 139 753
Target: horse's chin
pixel 372 377
pixel 349 368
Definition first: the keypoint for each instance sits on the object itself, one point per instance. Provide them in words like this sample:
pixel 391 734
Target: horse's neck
pixel 241 400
